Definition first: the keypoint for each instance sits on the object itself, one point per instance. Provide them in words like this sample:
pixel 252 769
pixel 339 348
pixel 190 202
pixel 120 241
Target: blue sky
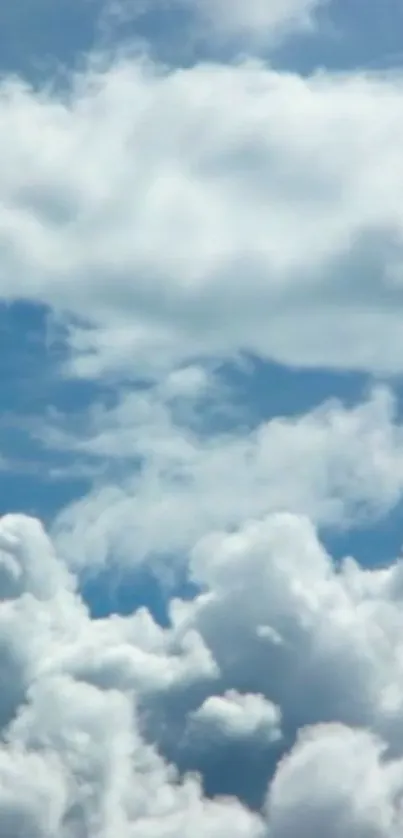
pixel 201 418
pixel 39 37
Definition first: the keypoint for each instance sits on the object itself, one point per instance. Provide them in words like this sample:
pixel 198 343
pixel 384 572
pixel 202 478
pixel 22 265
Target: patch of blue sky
pixel 34 479
pixel 351 34
pixel 39 37
pixel 372 544
pixel 267 389
pixel 117 590
pixel 236 768
pixel 165 31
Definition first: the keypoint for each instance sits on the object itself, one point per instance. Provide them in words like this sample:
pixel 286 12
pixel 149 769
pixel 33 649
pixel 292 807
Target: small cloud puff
pixel 236 716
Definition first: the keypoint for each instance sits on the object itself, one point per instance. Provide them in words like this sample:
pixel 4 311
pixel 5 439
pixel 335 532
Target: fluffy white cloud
pixel 78 756
pixel 22 540
pixel 72 759
pixel 333 649
pixel 338 465
pixel 208 210
pixel 236 716
pixel 337 782
pixel 33 794
pixel 166 215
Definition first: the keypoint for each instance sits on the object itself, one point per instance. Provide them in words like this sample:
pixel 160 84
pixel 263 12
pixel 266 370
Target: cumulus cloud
pixel 72 759
pixel 173 482
pixel 81 752
pixel 207 211
pixel 337 651
pixel 236 716
pixel 337 782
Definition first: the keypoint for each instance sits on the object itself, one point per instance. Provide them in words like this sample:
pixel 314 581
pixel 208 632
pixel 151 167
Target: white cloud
pixel 256 24
pixel 336 783
pixel 339 655
pixel 22 540
pixel 74 760
pixel 260 20
pixel 236 716
pixel 32 794
pixel 208 210
pixel 338 465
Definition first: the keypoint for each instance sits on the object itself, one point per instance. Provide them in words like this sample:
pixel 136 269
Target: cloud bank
pixel 169 214
pixel 80 754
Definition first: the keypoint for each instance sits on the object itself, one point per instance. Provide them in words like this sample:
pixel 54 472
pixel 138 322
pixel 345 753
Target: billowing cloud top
pixel 89 707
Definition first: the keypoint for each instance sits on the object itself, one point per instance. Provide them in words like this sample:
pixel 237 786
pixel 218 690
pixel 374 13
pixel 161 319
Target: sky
pixel 201 419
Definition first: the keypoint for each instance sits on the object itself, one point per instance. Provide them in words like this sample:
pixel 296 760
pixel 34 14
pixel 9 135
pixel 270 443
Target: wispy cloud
pixel 167 484
pixel 253 24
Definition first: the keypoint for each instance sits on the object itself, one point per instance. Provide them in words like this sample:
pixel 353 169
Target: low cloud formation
pixel 90 707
